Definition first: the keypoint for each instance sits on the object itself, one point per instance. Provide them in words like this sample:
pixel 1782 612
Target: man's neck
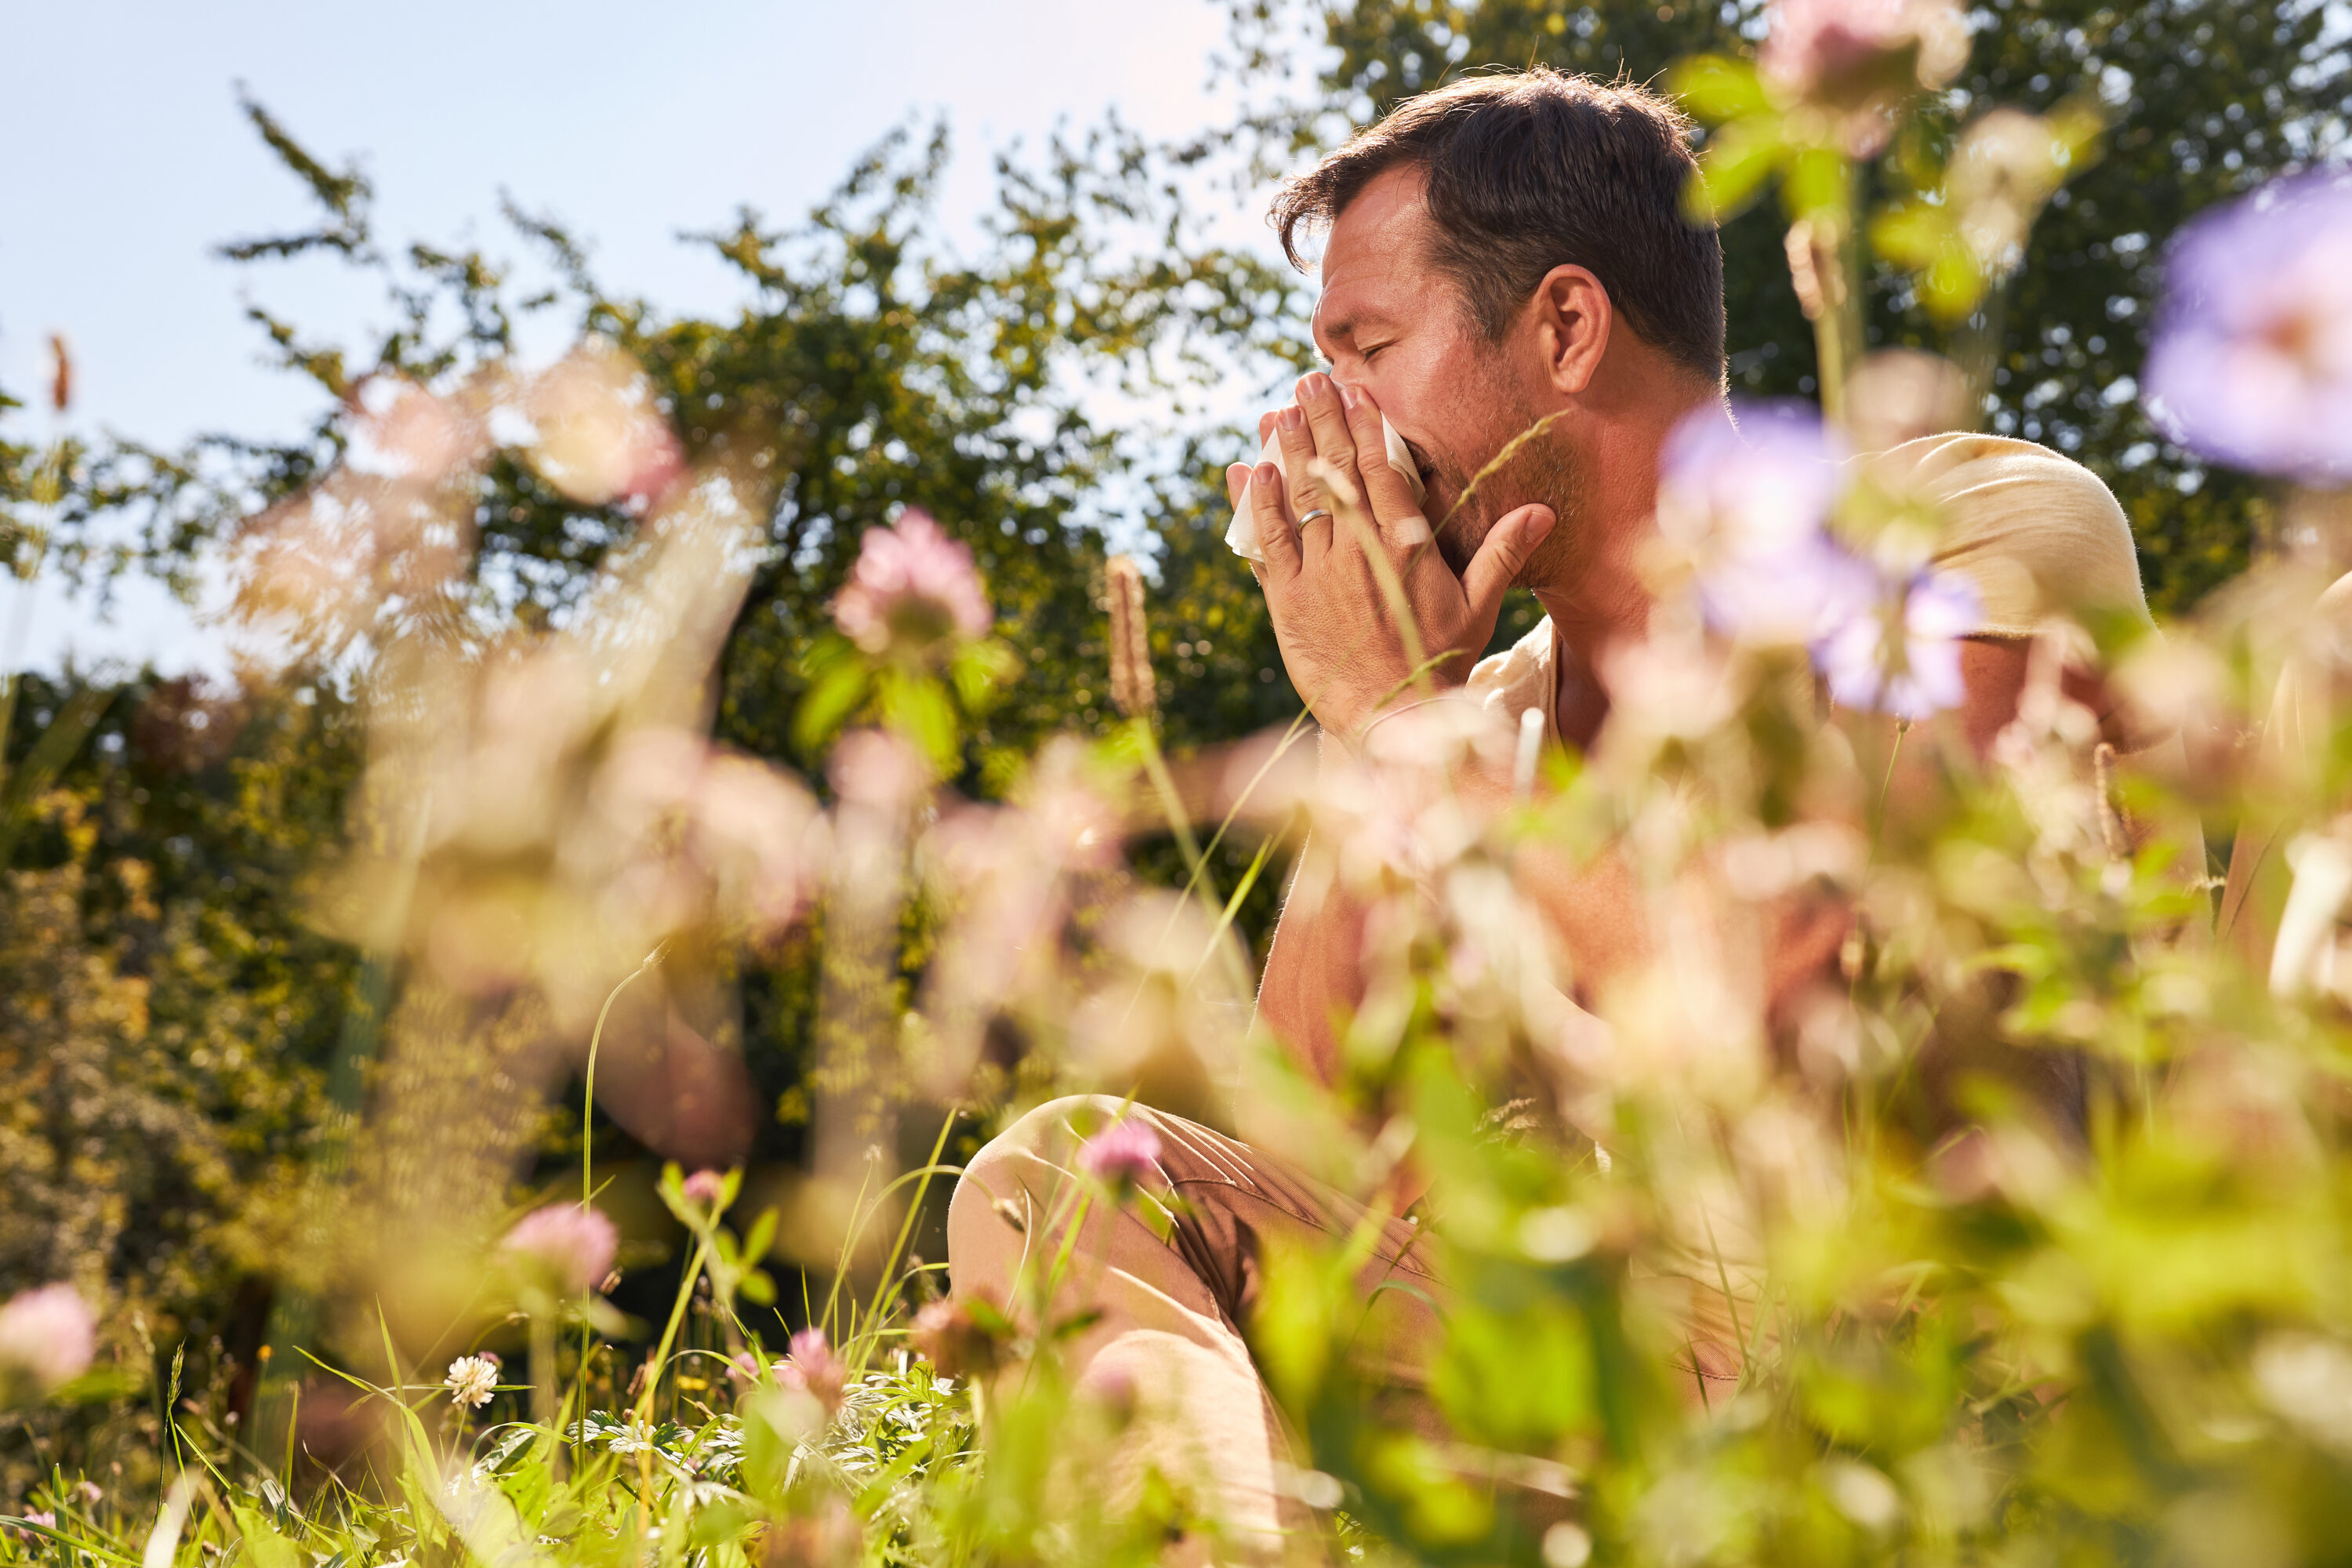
pixel 1597 596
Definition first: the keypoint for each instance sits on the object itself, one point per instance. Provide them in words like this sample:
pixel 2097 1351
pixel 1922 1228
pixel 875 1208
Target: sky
pixel 128 160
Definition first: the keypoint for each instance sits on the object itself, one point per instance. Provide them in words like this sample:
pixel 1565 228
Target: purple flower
pixel 912 588
pixel 1123 1153
pixel 2253 360
pixel 1901 654
pixel 705 1187
pixel 573 1246
pixel 1761 478
pixel 47 1337
pixel 1748 502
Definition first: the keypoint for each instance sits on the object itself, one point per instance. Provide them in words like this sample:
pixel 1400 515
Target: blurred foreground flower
pixel 1121 1154
pixel 381 543
pixel 1969 231
pixel 912 589
pixel 1858 60
pixel 1901 654
pixel 2251 363
pixel 1749 502
pixel 570 1248
pixel 601 437
pixel 962 1336
pixel 47 1337
pixel 472 1379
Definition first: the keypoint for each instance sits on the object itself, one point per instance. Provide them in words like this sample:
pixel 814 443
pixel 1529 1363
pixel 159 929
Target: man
pixel 1504 256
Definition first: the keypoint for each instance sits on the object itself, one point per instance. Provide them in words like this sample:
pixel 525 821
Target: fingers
pixel 1265 425
pixel 1237 478
pixel 1501 558
pixel 1402 522
pixel 1335 443
pixel 1306 492
pixel 1277 536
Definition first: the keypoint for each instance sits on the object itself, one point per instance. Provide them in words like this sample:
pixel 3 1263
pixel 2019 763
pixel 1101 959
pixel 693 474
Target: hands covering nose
pixel 1357 590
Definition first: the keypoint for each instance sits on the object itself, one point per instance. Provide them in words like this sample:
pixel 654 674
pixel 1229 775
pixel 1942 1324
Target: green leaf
pixel 1912 235
pixel 830 698
pixel 978 668
pixel 1717 87
pixel 1739 159
pixel 918 708
pixel 1818 185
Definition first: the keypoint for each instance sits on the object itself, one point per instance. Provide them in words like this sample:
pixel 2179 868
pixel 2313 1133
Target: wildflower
pixel 398 429
pixel 1859 60
pixel 877 768
pixel 2006 164
pixel 2251 363
pixel 831 1534
pixel 814 1369
pixel 1750 501
pixel 601 437
pixel 89 1492
pixel 1124 1152
pixel 571 1246
pixel 1763 479
pixel 472 1379
pixel 960 1336
pixel 46 1518
pixel 47 1337
pixel 912 588
pixel 1133 690
pixel 2308 1380
pixel 1900 395
pixel 705 1187
pixel 1902 657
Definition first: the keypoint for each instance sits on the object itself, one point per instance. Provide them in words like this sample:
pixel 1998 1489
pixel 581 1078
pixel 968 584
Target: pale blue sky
pixel 127 158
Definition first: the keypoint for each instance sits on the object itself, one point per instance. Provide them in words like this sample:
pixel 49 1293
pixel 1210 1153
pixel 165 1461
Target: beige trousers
pixel 1175 1274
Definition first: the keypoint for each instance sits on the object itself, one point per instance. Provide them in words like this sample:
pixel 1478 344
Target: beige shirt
pixel 2036 533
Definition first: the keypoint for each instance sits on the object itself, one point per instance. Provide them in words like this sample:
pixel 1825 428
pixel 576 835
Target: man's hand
pixel 1342 637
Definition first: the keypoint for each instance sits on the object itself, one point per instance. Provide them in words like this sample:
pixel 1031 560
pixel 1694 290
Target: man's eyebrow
pixel 1341 329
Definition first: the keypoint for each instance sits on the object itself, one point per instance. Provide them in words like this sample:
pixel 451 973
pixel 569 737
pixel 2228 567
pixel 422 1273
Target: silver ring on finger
pixel 1318 515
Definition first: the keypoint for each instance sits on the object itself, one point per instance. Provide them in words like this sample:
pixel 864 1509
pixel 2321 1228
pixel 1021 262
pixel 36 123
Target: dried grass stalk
pixel 1133 688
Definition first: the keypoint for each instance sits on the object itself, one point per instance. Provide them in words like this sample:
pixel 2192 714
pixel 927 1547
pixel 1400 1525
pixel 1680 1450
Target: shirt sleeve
pixel 1521 677
pixel 2037 534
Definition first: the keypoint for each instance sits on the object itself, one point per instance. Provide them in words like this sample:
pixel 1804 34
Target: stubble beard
pixel 1543 472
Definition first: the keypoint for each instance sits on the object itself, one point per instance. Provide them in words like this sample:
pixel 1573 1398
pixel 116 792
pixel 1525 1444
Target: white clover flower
pixel 472 1379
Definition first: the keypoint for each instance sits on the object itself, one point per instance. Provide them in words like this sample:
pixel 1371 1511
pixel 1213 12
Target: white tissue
pixel 1242 534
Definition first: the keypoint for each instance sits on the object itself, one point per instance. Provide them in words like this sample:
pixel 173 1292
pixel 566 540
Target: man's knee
pixel 1009 1183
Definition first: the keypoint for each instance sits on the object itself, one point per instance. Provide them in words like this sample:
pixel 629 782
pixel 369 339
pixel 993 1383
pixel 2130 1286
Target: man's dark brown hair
pixel 1535 170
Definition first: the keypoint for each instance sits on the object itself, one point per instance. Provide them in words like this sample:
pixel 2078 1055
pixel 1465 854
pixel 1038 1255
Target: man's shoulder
pixel 2036 530
pixel 1962 463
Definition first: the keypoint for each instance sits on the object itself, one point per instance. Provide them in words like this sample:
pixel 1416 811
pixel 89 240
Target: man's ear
pixel 1573 319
